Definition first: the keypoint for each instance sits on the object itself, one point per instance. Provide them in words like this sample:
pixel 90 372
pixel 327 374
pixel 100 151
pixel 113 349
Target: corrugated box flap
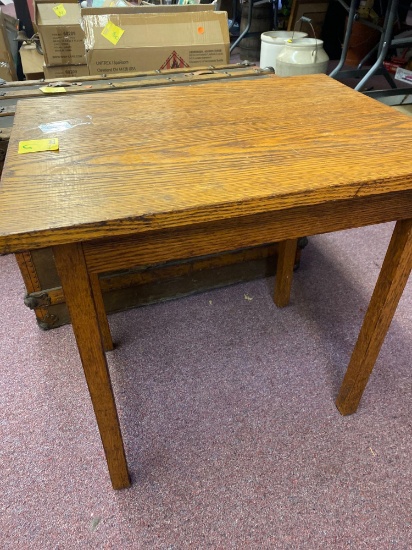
pixel 54 2
pixel 151 8
pixel 157 29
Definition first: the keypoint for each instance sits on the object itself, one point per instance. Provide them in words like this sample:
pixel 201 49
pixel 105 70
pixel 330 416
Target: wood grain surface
pixel 76 283
pixel 389 287
pixel 162 158
pixel 157 247
pixel 283 281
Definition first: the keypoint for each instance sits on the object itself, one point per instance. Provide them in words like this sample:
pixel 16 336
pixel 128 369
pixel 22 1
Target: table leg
pixel 284 271
pixel 388 290
pixel 72 270
pixel 101 312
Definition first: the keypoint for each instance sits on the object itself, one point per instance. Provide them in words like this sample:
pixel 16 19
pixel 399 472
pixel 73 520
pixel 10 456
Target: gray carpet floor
pixel 227 409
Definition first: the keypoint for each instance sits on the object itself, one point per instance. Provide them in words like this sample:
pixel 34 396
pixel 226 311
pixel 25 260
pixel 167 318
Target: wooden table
pixel 174 173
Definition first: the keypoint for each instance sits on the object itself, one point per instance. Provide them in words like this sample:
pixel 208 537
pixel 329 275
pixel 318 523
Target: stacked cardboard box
pixel 147 38
pixel 8 46
pixel 61 37
pixel 31 61
pixel 113 40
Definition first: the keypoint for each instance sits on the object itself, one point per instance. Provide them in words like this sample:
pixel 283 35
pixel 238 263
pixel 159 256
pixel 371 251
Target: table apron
pixel 151 248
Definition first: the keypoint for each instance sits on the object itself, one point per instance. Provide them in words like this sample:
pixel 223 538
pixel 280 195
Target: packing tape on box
pixel 91 24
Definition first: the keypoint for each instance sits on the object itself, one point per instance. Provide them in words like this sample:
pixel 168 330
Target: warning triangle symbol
pixel 174 61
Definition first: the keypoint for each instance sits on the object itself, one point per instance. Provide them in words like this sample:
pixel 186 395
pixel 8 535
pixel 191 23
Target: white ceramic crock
pixel 272 43
pixel 302 56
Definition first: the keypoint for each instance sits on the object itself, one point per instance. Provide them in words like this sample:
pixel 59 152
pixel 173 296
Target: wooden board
pixel 132 288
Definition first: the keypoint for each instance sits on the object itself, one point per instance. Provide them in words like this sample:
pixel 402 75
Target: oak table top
pixel 159 158
pixel 163 174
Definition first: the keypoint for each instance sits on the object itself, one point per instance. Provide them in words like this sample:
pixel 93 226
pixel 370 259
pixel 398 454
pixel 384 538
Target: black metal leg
pixel 244 33
pixel 345 47
pixel 384 44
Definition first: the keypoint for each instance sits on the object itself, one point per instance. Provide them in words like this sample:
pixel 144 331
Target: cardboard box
pixel 65 71
pixel 154 37
pixel 61 35
pixel 8 46
pixel 403 75
pixel 32 62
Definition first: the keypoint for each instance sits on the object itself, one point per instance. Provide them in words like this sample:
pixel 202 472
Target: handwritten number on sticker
pixel 59 10
pixel 36 145
pixel 112 33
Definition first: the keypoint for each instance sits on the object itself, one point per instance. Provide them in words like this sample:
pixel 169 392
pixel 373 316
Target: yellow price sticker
pixel 36 145
pixel 59 10
pixel 52 90
pixel 112 33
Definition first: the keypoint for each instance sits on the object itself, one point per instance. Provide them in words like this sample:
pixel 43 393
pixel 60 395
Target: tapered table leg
pixel 101 312
pixel 284 271
pixel 388 290
pixel 72 270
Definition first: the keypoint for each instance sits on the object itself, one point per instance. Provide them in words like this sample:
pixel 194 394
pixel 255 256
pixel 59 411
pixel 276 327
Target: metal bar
pixel 115 84
pixel 390 15
pixel 248 25
pixel 128 76
pixel 345 47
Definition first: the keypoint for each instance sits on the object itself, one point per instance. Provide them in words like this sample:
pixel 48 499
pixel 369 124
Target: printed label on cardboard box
pixel 150 59
pixel 66 71
pixel 62 46
pixel 203 57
